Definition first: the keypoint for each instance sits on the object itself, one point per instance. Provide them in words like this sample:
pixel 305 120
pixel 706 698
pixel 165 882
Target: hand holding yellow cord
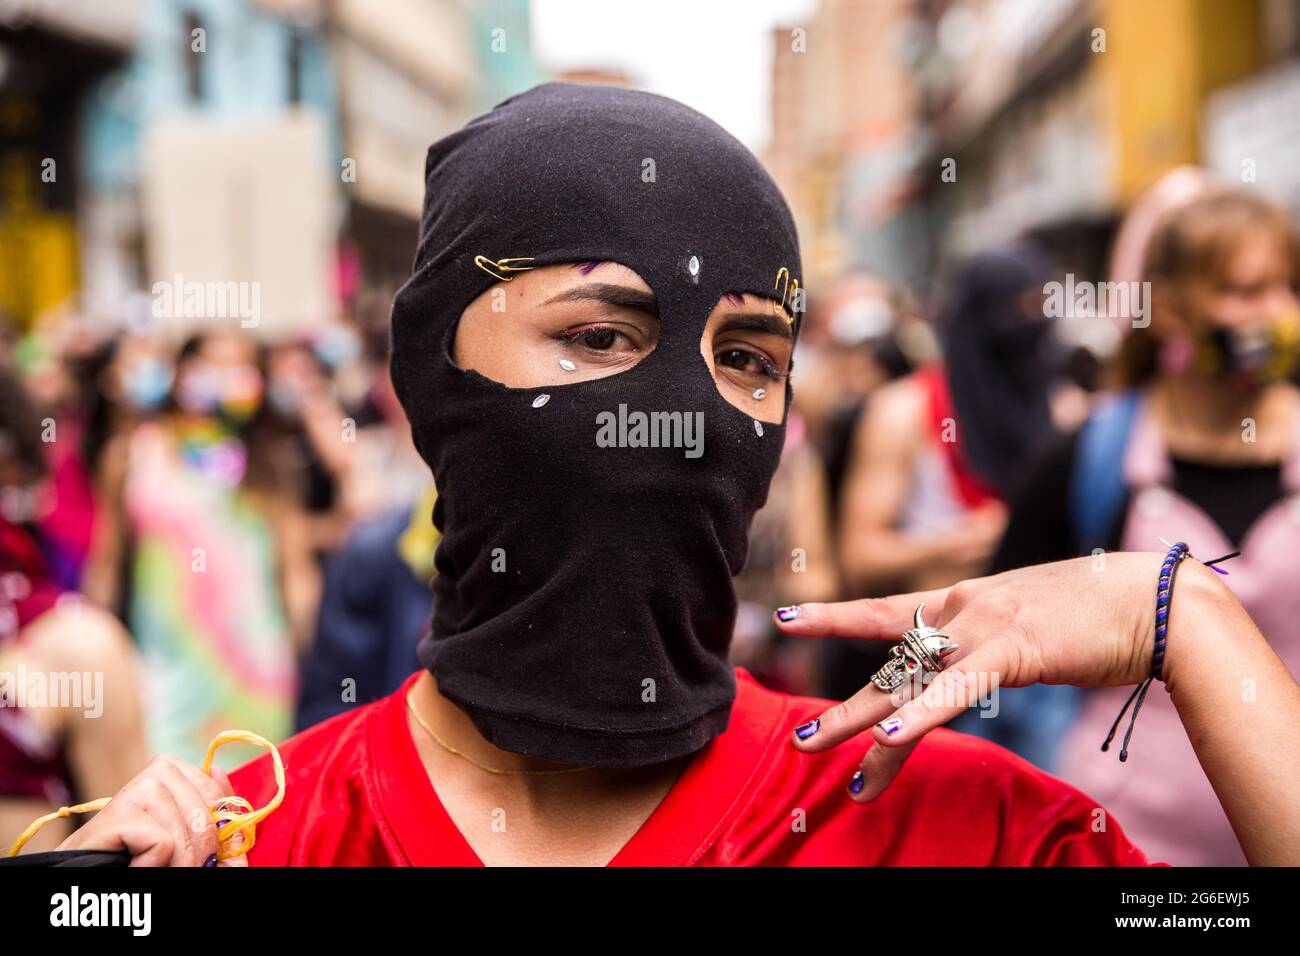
pixel 148 817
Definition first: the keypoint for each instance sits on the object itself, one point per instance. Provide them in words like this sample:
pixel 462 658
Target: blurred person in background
pixel 57 361
pixel 376 598
pixel 375 607
pixel 133 379
pixel 316 436
pixel 870 339
pixel 856 332
pixel 1034 721
pixel 201 527
pixel 129 381
pixel 388 473
pixel 54 752
pixel 938 452
pixel 1202 444
pixel 864 324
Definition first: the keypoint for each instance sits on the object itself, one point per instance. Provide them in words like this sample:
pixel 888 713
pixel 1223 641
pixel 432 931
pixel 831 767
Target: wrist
pixel 1200 603
pixel 1143 573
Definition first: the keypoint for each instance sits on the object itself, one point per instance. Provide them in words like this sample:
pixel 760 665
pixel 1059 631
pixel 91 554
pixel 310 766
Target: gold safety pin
pixel 503 266
pixel 791 289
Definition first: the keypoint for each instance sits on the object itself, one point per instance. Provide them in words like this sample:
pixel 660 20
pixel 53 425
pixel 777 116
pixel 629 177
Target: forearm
pixel 102 574
pixel 1240 707
pixel 323 423
pixel 884 557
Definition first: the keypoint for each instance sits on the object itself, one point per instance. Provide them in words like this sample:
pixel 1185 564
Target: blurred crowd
pixel 238 531
pixel 990 428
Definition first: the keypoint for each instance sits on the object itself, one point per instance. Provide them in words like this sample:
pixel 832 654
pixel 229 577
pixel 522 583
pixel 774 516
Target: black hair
pixel 20 426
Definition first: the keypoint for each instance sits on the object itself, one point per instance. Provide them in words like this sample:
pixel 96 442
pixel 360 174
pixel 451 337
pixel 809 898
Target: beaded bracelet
pixel 1164 595
pixel 1164 589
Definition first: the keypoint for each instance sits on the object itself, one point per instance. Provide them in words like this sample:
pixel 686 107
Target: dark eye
pixel 599 340
pixel 751 363
pixel 737 359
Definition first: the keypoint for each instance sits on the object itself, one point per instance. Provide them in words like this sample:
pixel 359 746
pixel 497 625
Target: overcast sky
pixel 713 55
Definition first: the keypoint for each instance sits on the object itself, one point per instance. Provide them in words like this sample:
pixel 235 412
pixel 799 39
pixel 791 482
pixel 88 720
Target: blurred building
pixel 272 142
pixel 910 132
pixel 406 79
pixel 52 58
pixel 844 134
pixel 199 147
pixel 1252 127
pixel 1054 114
pixel 237 146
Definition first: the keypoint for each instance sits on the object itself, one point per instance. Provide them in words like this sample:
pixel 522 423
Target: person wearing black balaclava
pixel 594 350
pixel 1000 365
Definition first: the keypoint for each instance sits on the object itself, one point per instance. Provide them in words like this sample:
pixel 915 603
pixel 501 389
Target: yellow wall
pixel 1163 57
pixel 38 249
pixel 39 268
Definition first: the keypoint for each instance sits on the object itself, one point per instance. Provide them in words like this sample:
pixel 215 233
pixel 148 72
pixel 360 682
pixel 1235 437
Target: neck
pixel 1206 418
pixel 612 804
pixel 455 730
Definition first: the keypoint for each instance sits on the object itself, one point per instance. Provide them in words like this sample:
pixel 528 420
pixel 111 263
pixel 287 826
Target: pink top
pixel 1161 795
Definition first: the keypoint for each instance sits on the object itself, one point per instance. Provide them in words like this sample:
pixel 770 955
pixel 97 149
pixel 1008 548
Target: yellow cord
pixel 30 832
pixel 232 815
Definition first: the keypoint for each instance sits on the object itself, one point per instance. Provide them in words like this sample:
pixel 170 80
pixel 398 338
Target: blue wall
pixel 244 71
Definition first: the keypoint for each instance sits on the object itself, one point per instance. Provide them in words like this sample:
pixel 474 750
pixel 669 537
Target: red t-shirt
pixel 358 795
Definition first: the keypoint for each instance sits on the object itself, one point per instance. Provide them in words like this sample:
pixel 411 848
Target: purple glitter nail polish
pixel 891 725
pixel 804 731
pixel 787 613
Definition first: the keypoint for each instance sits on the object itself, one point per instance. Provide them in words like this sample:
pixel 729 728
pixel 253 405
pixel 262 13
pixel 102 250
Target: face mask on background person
pixel 1250 358
pixel 336 345
pixel 232 394
pixel 146 383
pixel 283 399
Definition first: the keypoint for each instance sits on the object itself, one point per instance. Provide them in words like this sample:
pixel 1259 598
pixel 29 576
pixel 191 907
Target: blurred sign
pixel 1252 134
pixel 241 223
pixel 1046 165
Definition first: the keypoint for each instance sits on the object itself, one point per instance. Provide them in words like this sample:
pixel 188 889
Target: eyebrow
pixel 610 293
pixel 626 297
pixel 760 322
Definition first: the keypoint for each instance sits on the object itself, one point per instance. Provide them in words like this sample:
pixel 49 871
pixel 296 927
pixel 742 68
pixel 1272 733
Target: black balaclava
pixel 1000 369
pixel 583 604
